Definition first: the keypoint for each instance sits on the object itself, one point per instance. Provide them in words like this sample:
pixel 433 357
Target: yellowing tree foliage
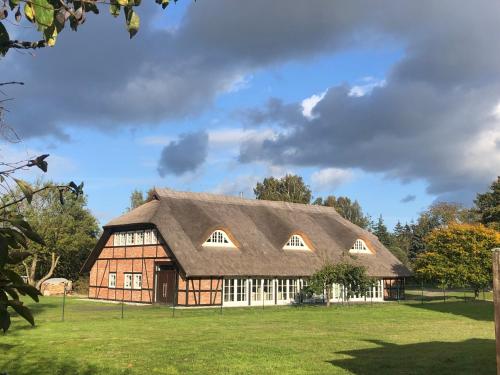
pixel 459 255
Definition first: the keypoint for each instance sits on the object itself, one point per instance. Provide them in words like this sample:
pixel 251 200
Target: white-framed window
pixel 137 280
pixel 256 290
pixel 130 238
pixel 281 290
pixel 127 280
pixel 119 239
pixel 219 238
pixel 139 237
pixel 112 280
pixel 268 289
pixel 296 242
pixel 360 247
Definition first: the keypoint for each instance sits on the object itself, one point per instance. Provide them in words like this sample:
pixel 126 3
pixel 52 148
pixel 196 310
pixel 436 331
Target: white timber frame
pixel 375 294
pixel 244 291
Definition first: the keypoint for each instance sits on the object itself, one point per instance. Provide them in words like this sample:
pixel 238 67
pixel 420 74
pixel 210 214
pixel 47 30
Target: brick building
pixel 196 249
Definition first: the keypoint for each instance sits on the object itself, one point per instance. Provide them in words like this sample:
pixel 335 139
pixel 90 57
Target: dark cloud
pixel 184 155
pixel 434 119
pixel 99 78
pixel 409 198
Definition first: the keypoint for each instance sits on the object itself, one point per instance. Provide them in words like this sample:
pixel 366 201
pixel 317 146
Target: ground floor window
pixel 127 281
pixel 256 290
pixel 281 289
pixel 268 289
pixel 235 290
pixel 132 280
pixel 112 280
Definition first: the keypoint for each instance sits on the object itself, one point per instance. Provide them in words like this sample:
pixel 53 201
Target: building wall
pixel 199 291
pixel 126 259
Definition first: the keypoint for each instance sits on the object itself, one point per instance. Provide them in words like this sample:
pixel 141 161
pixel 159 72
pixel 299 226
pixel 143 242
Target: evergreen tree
pixel 488 205
pixel 380 230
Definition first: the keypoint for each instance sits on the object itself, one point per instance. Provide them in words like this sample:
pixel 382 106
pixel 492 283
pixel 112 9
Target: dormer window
pixel 360 247
pixel 219 238
pixel 296 242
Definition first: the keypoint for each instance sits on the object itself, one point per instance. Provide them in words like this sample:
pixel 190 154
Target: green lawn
pixel 390 338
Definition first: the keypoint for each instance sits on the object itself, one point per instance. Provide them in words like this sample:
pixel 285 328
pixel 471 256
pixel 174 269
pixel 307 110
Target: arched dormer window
pixel 360 247
pixel 219 238
pixel 296 242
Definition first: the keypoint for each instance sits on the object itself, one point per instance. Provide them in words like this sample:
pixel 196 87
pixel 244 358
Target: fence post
pixel 64 302
pixel 496 299
pixel 122 305
pixel 422 285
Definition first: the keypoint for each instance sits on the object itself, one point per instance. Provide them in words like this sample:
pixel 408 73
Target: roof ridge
pixel 212 197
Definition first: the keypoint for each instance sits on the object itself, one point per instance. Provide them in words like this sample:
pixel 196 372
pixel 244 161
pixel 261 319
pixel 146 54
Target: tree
pixel 351 277
pixel 137 198
pixel 15 232
pixel 438 215
pixel 290 188
pixel 458 255
pixel 488 205
pixel 69 232
pixel 380 230
pixel 51 16
pixel 347 209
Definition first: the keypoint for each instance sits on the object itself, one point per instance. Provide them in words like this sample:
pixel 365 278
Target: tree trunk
pixel 328 294
pixel 53 264
pixel 31 270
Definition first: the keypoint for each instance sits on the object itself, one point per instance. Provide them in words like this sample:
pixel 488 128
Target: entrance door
pixel 165 287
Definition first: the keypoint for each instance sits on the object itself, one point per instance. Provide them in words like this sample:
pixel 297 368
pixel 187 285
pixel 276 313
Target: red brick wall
pixel 124 259
pixel 200 291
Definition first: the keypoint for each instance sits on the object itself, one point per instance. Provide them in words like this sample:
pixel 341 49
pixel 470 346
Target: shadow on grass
pixel 474 356
pixel 43 366
pixel 477 310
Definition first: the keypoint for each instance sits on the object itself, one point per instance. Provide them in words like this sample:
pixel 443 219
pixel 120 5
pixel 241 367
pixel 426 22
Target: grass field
pixel 407 338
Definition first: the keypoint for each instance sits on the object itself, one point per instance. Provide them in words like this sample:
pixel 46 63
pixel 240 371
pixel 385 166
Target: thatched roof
pixel 259 229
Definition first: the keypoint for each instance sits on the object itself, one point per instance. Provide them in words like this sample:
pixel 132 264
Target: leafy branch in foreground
pixel 51 16
pixel 15 233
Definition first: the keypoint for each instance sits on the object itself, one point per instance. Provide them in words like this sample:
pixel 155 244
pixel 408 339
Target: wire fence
pixel 75 308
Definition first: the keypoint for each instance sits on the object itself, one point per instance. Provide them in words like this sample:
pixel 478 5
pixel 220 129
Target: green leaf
pixel 44 13
pixel 114 9
pixel 13 277
pixel 29 12
pixel 123 3
pixel 4 319
pixel 25 188
pixel 133 23
pixel 16 257
pixel 23 311
pixel 4 40
pixel 29 290
pixel 50 34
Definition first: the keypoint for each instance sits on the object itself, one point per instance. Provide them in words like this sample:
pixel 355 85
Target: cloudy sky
pixel 395 104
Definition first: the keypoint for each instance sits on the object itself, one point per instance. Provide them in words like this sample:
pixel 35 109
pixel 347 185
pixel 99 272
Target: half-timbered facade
pixel 195 249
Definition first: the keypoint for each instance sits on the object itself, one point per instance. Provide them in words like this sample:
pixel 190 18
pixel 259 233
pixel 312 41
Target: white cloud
pixel 366 86
pixel 309 103
pixel 233 137
pixel 155 140
pixel 240 185
pixel 330 178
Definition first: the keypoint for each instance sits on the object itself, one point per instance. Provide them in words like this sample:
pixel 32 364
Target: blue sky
pixel 113 158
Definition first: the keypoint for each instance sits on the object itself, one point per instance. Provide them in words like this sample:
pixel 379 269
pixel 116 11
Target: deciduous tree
pixel 290 188
pixel 15 234
pixel 348 209
pixel 458 255
pixel 69 232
